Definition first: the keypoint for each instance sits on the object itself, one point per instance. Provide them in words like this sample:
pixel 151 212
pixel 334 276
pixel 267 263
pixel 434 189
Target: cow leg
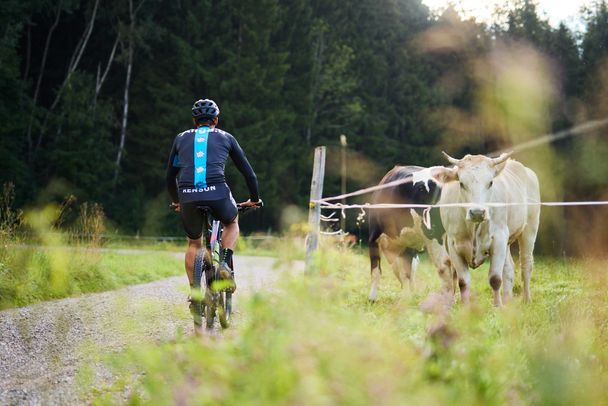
pixel 526 259
pixel 397 265
pixel 464 284
pixel 373 291
pixel 376 270
pixel 413 268
pixel 461 272
pixel 497 264
pixel 402 266
pixel 507 277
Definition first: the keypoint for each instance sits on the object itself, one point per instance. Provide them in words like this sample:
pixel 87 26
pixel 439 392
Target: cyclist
pixel 195 177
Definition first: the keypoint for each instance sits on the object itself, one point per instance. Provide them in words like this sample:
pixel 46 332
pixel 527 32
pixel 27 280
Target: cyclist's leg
pixel 193 226
pixel 228 215
pixel 226 212
pixel 230 234
pixel 191 250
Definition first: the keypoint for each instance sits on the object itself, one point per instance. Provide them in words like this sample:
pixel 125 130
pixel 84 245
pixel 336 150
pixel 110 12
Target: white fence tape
pixel 325 205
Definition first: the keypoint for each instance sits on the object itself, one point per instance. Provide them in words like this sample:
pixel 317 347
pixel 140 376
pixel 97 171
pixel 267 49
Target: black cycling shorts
pixel 224 210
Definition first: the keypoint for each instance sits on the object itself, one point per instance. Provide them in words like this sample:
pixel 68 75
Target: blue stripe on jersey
pixel 201 138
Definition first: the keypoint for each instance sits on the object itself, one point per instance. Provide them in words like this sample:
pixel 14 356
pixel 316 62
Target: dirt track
pixel 43 347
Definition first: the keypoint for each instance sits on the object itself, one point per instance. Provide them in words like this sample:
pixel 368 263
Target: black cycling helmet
pixel 205 109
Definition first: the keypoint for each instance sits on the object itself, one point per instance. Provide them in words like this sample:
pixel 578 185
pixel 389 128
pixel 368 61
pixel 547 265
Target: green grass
pixel 318 341
pixel 29 275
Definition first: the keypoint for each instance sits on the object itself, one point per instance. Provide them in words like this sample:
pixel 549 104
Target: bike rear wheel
pixel 197 304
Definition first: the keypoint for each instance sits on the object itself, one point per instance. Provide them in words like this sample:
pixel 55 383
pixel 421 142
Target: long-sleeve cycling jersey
pixel 198 158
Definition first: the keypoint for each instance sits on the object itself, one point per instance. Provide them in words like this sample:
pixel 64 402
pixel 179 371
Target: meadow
pixel 317 340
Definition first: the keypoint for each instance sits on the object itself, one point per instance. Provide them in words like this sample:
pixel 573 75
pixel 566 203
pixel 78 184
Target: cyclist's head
pixel 205 112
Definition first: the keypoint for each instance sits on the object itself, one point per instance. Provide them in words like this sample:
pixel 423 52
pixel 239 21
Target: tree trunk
pixel 125 115
pixel 125 110
pixel 99 80
pixel 30 143
pixel 74 61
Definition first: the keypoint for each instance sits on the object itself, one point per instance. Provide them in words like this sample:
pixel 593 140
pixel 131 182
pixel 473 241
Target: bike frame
pixel 210 269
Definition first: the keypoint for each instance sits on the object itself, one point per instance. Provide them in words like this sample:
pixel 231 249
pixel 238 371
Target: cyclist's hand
pixel 249 203
pixel 176 207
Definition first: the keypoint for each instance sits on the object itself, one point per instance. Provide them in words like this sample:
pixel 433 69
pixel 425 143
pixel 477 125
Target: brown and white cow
pixel 485 229
pixel 391 229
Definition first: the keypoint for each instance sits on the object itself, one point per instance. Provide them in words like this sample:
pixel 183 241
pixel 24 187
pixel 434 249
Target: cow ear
pixel 443 175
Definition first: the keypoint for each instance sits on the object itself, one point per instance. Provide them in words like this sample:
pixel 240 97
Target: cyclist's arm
pixel 243 165
pixel 172 171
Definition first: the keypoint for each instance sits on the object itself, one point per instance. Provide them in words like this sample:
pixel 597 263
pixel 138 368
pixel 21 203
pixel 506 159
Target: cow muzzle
pixel 476 214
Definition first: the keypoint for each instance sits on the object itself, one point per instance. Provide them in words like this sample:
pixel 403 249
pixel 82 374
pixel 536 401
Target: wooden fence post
pixel 314 214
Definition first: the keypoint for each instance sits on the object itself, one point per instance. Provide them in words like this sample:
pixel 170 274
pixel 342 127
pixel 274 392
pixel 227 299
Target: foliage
pixel 317 340
pixel 288 75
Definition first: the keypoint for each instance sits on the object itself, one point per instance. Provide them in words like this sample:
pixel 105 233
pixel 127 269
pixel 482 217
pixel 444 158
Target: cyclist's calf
pixel 230 234
pixel 193 247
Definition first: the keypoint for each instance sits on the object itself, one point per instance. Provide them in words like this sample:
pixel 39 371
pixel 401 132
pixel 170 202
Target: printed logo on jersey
pixel 200 157
pixel 199 190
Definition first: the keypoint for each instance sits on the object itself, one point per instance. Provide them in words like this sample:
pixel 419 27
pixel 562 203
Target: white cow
pixel 481 229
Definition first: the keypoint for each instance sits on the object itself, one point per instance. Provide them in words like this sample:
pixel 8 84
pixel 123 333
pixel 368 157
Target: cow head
pixel 475 175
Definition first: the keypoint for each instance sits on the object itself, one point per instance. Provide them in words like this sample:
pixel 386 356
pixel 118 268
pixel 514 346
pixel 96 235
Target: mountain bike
pixel 217 297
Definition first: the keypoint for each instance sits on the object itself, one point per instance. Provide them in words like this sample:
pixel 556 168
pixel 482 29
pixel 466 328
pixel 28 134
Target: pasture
pixel 319 341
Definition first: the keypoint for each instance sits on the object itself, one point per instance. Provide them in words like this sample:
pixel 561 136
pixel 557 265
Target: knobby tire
pixel 198 304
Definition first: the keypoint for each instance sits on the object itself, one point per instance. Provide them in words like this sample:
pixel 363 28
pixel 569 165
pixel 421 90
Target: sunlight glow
pixel 482 10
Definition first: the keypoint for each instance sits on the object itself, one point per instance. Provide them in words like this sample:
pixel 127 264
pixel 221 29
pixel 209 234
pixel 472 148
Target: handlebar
pixel 256 205
pixel 239 207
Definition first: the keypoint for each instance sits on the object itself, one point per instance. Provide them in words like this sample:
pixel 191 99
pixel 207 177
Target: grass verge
pixel 29 275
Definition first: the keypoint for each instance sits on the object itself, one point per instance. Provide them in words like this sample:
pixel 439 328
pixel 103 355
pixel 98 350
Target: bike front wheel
pixel 223 311
pixel 219 303
pixel 210 308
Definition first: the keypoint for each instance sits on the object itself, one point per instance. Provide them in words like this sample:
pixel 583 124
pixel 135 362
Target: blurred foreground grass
pixel 318 341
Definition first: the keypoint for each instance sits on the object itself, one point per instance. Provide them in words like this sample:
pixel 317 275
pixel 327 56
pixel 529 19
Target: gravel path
pixel 43 347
